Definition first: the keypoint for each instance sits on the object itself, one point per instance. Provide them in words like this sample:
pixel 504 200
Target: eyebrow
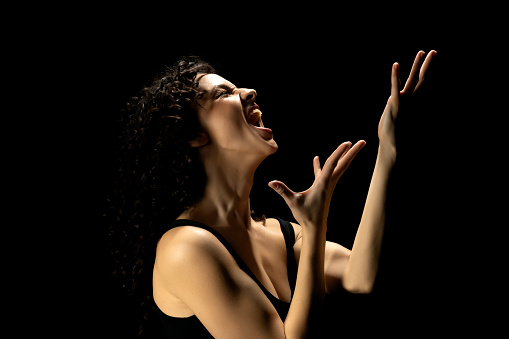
pixel 223 86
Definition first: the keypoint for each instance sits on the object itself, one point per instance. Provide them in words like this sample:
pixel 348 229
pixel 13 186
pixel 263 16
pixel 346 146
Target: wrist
pixel 314 235
pixel 387 154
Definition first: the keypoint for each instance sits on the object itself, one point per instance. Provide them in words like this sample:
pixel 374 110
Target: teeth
pixel 255 116
pixel 257 113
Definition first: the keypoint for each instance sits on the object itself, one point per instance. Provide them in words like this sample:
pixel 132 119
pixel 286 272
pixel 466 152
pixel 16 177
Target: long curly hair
pixel 159 174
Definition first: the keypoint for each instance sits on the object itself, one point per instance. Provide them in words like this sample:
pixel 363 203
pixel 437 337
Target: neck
pixel 225 202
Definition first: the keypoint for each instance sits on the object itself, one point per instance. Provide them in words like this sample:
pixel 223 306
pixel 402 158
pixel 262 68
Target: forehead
pixel 208 81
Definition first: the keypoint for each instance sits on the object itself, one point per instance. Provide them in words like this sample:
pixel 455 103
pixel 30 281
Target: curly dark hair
pixel 159 173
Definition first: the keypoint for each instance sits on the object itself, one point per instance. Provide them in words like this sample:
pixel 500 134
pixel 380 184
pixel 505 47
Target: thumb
pixel 282 190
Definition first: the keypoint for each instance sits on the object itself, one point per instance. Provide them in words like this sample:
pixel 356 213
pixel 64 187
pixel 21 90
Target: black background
pixel 322 77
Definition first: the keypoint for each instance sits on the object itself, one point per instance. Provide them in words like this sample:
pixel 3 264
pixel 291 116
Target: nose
pixel 248 95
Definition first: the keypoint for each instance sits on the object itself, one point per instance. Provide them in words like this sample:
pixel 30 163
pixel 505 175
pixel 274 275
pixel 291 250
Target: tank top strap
pixel 289 235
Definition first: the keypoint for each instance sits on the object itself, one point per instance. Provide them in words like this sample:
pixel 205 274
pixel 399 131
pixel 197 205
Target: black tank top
pixel 191 327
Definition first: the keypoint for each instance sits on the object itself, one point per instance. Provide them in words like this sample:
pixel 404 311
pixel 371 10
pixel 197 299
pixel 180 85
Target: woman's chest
pixel 264 253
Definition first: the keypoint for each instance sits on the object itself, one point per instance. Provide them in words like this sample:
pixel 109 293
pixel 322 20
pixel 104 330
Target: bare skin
pixel 195 275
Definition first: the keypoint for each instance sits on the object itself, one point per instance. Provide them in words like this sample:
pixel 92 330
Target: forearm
pixel 362 265
pixel 310 209
pixel 307 302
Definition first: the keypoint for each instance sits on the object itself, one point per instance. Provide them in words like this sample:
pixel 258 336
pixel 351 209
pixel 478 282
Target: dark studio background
pixel 319 84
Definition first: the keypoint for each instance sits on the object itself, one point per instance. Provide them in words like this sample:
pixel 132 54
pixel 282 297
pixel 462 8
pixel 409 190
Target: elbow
pixel 364 287
pixel 361 290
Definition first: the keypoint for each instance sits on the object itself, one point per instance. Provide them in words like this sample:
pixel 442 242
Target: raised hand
pixel 417 75
pixel 311 207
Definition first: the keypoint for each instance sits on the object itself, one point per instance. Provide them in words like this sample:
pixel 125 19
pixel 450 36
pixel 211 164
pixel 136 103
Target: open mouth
pixel 255 118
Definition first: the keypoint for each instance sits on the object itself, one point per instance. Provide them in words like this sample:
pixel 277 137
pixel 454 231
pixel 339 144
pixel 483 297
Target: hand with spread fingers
pixel 386 129
pixel 311 207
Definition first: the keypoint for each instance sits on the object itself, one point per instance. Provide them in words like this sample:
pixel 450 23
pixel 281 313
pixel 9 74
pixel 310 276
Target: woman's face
pixel 231 118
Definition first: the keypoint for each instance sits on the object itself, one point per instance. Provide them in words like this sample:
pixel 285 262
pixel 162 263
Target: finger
pixel 347 159
pixel 395 84
pixel 413 78
pixel 332 161
pixel 316 167
pixel 424 69
pixel 282 190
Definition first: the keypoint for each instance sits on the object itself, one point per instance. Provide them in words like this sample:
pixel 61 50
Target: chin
pixel 270 150
pixel 270 147
pixel 274 146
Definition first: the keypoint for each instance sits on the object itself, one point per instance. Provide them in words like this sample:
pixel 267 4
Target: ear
pixel 199 141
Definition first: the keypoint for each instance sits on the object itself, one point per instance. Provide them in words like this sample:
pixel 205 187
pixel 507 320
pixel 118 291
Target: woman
pixel 193 141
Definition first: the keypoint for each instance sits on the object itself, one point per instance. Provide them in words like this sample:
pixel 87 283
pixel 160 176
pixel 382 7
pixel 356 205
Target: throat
pixel 230 176
pixel 225 204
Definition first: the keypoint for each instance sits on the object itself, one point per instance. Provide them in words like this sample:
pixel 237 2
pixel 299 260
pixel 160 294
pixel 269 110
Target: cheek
pixel 224 122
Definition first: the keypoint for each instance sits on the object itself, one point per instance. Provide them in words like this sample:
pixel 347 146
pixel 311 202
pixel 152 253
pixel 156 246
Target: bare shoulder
pixel 185 235
pixel 182 244
pixel 187 255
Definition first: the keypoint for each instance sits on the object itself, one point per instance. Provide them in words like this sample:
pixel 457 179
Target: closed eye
pixel 222 93
pixel 222 90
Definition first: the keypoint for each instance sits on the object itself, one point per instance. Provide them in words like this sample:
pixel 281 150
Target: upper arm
pixel 336 260
pixel 199 270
